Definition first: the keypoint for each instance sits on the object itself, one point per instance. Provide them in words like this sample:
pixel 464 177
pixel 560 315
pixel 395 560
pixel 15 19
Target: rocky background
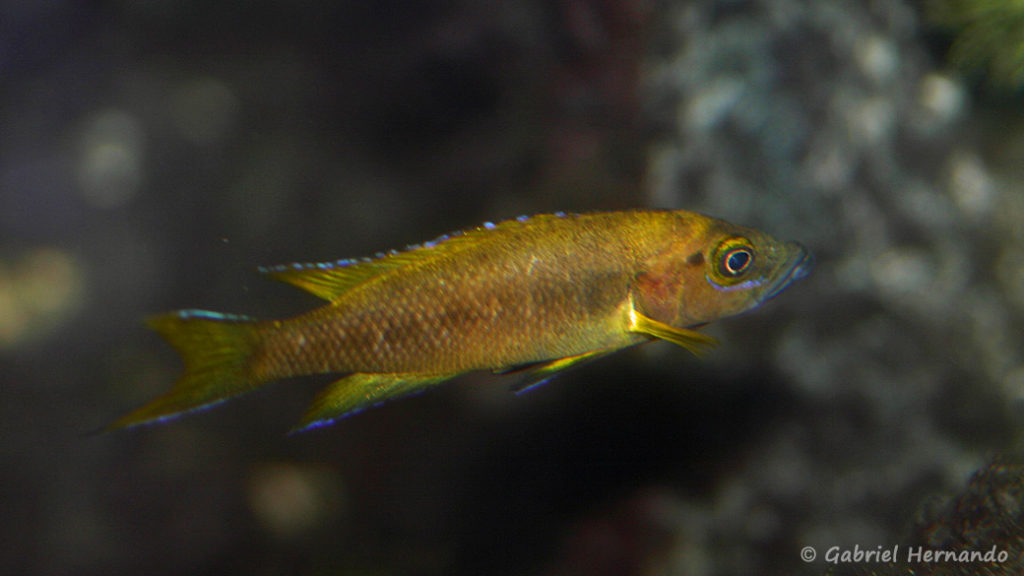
pixel 152 154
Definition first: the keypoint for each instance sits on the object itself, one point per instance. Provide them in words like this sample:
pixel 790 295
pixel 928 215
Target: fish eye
pixel 736 261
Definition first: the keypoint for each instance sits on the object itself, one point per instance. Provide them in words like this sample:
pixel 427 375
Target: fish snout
pixel 797 267
pixel 804 264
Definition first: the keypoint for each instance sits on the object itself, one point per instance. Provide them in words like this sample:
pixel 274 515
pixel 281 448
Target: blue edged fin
pixel 697 343
pixel 217 351
pixel 329 280
pixel 537 376
pixel 360 391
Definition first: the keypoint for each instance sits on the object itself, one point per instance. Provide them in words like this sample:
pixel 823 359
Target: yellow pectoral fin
pixel 699 344
pixel 359 391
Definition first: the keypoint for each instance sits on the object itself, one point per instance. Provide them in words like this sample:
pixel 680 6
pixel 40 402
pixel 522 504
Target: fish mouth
pixel 798 267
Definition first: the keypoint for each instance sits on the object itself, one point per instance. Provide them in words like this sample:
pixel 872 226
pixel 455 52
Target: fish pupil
pixel 736 261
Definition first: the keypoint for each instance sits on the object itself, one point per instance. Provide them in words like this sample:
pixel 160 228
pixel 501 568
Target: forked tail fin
pixel 217 351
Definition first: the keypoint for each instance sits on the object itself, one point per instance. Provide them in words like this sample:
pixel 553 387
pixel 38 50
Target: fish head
pixel 720 270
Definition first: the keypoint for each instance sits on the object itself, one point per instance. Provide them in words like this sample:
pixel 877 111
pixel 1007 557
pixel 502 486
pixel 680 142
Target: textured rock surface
pixel 832 123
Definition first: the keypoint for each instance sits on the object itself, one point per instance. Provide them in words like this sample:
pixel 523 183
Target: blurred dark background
pixel 154 153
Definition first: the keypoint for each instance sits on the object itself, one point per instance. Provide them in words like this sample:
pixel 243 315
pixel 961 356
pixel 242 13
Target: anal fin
pixel 360 391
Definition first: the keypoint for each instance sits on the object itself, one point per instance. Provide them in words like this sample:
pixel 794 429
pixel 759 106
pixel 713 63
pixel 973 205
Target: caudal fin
pixel 216 349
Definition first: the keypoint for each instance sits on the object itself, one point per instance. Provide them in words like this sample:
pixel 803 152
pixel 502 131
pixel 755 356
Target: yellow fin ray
pixel 537 376
pixel 329 280
pixel 697 343
pixel 216 350
pixel 360 391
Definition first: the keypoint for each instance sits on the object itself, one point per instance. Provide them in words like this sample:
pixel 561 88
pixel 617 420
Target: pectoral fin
pixel 699 344
pixel 359 391
pixel 539 375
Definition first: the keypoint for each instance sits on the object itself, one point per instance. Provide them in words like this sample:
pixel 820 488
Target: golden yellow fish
pixel 546 291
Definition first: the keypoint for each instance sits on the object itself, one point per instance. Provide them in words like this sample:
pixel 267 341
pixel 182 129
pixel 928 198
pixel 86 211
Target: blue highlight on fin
pixel 177 415
pixel 434 242
pixel 528 386
pixel 325 422
pixel 300 266
pixel 347 262
pixel 215 316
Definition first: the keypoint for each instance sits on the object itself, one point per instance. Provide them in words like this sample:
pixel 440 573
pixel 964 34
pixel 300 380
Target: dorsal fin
pixel 329 280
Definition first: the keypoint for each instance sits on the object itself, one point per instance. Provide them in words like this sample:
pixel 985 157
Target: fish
pixel 536 294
